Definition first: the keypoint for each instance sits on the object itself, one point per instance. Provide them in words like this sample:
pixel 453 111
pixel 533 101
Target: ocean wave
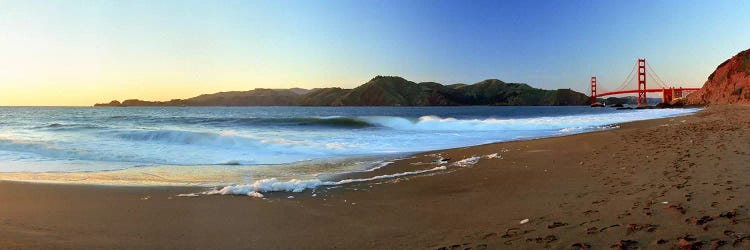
pixel 18 145
pixel 550 123
pixel 342 122
pixel 171 139
pixel 333 122
pixel 295 185
pixel 180 137
pixel 69 126
pixel 50 150
pixel 172 147
pixel 213 139
pixel 423 123
pixel 256 188
pixel 234 142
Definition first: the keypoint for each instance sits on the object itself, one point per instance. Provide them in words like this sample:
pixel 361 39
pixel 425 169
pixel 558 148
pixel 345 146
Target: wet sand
pixel 674 182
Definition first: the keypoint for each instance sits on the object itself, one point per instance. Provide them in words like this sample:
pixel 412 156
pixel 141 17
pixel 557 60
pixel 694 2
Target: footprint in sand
pixel 676 208
pixel 547 239
pixel 632 228
pixel 580 246
pixel 689 242
pixel 689 196
pixel 603 229
pixel 730 215
pixel 489 235
pixel 717 243
pixel 647 211
pixel 699 221
pixel 625 244
pixel 557 224
pixel 514 232
pixel 590 212
pixel 623 215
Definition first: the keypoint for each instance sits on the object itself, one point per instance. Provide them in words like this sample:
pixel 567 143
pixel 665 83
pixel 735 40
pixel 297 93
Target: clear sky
pixel 82 52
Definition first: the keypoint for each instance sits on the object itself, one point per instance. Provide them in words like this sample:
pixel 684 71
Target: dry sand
pixel 675 182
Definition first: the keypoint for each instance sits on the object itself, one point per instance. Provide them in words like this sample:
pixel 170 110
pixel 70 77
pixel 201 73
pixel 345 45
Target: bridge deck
pixel 635 91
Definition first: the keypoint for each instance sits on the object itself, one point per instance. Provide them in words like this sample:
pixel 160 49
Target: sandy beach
pixel 677 182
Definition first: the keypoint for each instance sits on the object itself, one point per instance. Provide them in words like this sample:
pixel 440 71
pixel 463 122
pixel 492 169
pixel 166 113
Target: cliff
pixel 383 91
pixel 728 84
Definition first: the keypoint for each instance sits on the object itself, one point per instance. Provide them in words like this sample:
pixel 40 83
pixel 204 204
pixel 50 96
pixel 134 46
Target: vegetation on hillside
pixel 384 91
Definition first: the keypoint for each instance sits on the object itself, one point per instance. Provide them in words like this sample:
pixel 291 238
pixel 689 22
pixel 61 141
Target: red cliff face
pixel 729 84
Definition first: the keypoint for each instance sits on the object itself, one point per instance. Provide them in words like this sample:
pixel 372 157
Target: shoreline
pixel 178 175
pixel 591 189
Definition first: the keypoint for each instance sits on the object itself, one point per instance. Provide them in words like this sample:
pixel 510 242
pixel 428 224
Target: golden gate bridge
pixel 639 73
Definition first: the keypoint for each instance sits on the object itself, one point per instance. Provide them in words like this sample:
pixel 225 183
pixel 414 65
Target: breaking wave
pixel 271 136
pixel 69 126
pixel 423 123
pixel 275 185
pixel 334 122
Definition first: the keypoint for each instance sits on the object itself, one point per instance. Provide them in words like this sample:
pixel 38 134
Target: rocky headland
pixel 728 84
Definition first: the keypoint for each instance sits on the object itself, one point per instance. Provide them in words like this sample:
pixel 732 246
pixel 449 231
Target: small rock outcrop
pixel 114 103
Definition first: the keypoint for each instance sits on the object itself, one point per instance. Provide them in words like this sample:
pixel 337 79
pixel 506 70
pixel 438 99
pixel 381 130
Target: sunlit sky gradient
pixel 82 52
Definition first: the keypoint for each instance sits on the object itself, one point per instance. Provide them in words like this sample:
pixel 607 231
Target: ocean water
pixel 243 144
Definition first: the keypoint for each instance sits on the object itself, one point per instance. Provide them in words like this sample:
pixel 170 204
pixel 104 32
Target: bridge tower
pixel 667 95
pixel 642 82
pixel 593 90
pixel 678 92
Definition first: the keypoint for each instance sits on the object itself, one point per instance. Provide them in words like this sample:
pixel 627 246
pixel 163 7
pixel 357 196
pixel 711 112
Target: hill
pixel 728 84
pixel 397 91
pixel 383 91
pixel 256 97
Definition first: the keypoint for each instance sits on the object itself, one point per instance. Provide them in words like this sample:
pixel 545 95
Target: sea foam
pixel 467 162
pixel 568 123
pixel 265 141
pixel 294 185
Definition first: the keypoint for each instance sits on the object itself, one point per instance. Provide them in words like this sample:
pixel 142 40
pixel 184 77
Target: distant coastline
pixel 383 91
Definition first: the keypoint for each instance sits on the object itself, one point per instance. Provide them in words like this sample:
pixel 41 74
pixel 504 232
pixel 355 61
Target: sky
pixel 77 53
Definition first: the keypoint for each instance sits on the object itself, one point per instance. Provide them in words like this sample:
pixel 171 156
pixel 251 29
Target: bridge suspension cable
pixel 627 80
pixel 640 69
pixel 656 77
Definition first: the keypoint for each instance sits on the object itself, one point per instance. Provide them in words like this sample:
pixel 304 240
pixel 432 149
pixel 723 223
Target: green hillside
pixel 384 91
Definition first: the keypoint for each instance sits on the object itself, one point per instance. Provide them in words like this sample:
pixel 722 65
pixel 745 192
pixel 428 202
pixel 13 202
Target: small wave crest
pixel 69 126
pixel 423 123
pixel 332 122
pixel 182 137
pixel 549 123
pixel 45 149
pixel 294 185
pixel 342 122
pixel 234 141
